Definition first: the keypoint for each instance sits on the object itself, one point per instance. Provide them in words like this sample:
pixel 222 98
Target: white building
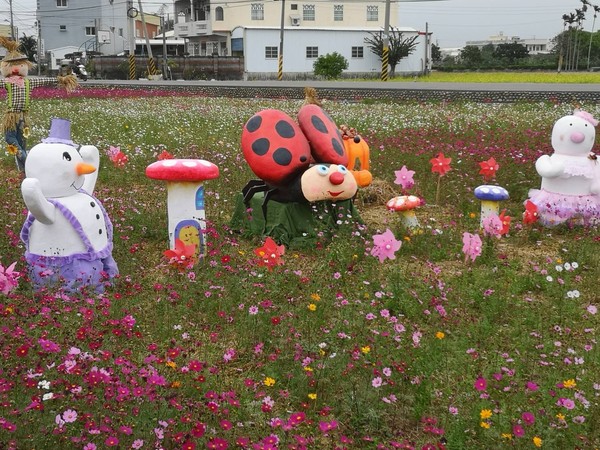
pixel 303 45
pixel 534 46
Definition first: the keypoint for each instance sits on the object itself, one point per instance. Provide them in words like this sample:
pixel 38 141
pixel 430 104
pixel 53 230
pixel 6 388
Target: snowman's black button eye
pixel 66 156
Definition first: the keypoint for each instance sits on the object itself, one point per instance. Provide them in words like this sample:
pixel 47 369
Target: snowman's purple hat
pixel 60 132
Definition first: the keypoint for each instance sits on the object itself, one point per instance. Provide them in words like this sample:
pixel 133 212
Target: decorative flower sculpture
pixel 530 215
pixel 164 155
pixel 404 178
pixel 505 222
pixel 270 254
pixel 489 168
pixel 441 166
pixel 385 245
pixel 8 278
pixel 471 246
pixel 492 226
pixel 182 256
pixel 118 158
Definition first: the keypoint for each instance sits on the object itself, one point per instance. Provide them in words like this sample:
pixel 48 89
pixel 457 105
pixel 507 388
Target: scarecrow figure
pixel 15 124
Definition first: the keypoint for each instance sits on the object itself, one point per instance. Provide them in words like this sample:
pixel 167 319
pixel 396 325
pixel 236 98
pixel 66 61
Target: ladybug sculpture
pixel 296 162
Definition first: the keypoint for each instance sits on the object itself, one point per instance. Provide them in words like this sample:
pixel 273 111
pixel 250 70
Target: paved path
pixel 409 90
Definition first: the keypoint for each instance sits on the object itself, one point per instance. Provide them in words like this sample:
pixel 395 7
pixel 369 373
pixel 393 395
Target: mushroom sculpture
pixel 185 197
pixel 490 197
pixel 406 205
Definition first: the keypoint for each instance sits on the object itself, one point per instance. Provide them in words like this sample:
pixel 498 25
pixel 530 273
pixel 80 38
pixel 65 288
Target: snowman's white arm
pixel 90 155
pixel 38 206
pixel 549 167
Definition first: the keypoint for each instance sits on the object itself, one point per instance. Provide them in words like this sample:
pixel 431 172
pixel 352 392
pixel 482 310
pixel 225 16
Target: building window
pixel 312 52
pixel 271 53
pixel 257 11
pixel 372 13
pixel 121 32
pixel 338 13
pixel 357 52
pixel 294 6
pixel 62 27
pixel 308 12
pixel 61 3
pixel 90 31
pixel 219 13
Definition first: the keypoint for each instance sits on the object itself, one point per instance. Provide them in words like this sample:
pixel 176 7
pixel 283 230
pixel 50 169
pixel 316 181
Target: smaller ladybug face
pixel 328 182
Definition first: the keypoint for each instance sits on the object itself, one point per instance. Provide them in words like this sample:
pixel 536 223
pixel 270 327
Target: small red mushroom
pixel 185 197
pixel 406 205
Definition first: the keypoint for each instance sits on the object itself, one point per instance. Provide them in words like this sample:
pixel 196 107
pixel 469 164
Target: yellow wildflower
pixel 440 335
pixel 9 309
pixel 366 349
pixel 560 417
pixel 12 149
pixel 316 297
pixel 312 396
pixel 507 436
pixel 176 384
pixel 472 215
pixel 485 413
pixel 171 364
pixel 537 441
pixel 485 424
pixel 312 307
pixel 308 369
pixel 268 381
pixel 569 384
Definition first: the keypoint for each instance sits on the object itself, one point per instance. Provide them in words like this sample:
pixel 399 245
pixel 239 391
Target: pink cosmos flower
pixel 518 430
pixel 493 226
pixel 528 418
pixel 480 384
pixel 69 416
pixel 385 245
pixel 566 403
pixel 404 178
pixel 111 441
pixel 326 427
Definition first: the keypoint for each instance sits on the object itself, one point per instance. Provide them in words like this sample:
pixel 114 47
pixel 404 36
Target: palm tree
pixel 567 19
pixel 596 11
pixel 580 17
pixel 28 45
pixel 398 48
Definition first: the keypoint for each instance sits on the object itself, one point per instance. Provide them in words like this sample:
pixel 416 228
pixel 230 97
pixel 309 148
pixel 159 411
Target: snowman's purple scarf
pixel 80 265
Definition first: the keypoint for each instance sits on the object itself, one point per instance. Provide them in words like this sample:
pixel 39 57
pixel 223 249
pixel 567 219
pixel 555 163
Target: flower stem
pixel 437 191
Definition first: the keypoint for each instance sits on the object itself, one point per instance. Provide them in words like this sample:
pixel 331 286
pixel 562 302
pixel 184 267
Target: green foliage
pixel 511 52
pixel 28 45
pixel 330 66
pixel 399 46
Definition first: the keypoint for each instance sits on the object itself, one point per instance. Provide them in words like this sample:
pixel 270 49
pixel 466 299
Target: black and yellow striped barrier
pixel 385 58
pixel 131 67
pixel 280 68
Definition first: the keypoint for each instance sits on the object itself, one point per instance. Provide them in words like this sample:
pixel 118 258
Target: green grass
pixel 508 77
pixel 389 354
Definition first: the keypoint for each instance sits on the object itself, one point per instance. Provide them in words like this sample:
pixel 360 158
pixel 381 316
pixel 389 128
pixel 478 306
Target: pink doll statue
pixel 570 190
pixel 15 123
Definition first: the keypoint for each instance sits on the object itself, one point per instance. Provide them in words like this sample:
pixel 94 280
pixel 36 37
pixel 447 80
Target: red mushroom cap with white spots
pixel 403 203
pixel 182 170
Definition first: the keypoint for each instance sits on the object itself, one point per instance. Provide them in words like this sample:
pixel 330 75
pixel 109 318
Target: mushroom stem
pixel 186 216
pixel 409 220
pixel 488 207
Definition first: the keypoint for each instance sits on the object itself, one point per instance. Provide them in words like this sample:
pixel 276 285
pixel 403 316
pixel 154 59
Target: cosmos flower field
pixel 333 348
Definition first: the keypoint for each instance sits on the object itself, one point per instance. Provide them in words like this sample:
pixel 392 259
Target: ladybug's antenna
pixel 310 96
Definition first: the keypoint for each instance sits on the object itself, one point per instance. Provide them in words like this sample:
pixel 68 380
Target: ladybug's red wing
pixel 323 135
pixel 274 147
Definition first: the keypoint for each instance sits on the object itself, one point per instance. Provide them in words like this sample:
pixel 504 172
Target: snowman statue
pixel 67 234
pixel 570 190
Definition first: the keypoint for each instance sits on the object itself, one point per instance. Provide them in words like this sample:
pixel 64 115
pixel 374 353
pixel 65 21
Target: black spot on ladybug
pixel 303 158
pixel 261 146
pixel 254 124
pixel 284 129
pixel 335 143
pixel 282 156
pixel 318 124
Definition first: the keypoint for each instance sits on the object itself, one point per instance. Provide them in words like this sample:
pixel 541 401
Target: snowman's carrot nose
pixel 84 169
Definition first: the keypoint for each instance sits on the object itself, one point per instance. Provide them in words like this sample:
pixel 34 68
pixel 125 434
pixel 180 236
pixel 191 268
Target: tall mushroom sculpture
pixel 490 197
pixel 185 197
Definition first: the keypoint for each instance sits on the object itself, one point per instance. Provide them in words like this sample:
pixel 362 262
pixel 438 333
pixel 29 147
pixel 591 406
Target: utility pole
pixel 280 56
pixel 385 56
pixel 131 13
pixel 164 42
pixel 151 63
pixel 39 47
pixel 12 25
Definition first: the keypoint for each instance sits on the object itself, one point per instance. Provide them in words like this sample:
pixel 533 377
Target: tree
pixel 29 47
pixel 399 47
pixel 330 65
pixel 511 52
pixel 471 56
pixel 436 54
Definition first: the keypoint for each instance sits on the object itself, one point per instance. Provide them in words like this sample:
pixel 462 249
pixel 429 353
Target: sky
pixel 453 22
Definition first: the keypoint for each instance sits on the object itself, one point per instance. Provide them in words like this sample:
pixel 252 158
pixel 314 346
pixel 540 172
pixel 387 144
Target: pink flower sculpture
pixel 385 246
pixel 270 254
pixel 493 226
pixel 404 178
pixel 117 157
pixel 471 246
pixel 530 215
pixel 182 256
pixel 440 164
pixel 8 278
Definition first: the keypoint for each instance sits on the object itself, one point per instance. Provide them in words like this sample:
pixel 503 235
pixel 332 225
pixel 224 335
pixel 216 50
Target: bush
pixel 330 65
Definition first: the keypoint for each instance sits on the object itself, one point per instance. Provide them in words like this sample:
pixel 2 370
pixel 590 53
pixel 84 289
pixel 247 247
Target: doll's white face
pixel 15 68
pixel 573 136
pixel 328 182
